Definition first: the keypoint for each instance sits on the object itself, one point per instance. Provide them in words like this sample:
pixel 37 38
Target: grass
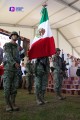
pixel 68 109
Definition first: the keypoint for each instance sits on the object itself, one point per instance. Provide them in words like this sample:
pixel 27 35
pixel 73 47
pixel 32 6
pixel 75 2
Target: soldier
pixel 10 77
pixel 29 75
pixel 58 73
pixel 41 79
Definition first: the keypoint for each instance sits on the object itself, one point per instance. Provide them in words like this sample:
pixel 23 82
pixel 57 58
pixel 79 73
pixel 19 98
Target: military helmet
pixel 13 33
pixel 57 49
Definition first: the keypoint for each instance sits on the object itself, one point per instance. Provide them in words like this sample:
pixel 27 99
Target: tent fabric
pixel 64 15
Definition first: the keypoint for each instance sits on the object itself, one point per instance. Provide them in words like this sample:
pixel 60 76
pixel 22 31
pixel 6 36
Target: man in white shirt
pixel 23 69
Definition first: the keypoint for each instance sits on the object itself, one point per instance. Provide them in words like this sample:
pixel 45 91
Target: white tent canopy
pixel 64 15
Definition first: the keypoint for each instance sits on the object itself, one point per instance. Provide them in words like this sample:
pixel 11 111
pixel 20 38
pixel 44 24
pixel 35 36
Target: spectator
pixel 23 69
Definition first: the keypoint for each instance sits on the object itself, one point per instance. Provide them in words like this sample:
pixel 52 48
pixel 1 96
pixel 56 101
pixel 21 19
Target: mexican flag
pixel 43 44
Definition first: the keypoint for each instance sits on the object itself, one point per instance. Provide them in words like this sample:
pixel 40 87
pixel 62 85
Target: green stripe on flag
pixel 44 17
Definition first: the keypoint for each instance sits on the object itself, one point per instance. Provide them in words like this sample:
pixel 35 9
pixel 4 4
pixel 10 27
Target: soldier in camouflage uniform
pixel 41 79
pixel 10 77
pixel 29 75
pixel 58 73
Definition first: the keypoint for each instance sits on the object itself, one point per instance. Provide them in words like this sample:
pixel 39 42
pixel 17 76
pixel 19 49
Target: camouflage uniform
pixel 10 77
pixel 41 79
pixel 58 74
pixel 29 75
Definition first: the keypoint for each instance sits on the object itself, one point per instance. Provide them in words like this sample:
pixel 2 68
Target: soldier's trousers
pixel 10 84
pixel 30 82
pixel 58 78
pixel 40 84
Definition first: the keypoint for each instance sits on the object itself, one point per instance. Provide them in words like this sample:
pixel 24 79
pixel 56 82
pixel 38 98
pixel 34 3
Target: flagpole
pixel 43 44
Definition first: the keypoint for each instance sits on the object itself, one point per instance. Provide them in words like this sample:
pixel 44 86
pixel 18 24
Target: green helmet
pixel 13 33
pixel 57 49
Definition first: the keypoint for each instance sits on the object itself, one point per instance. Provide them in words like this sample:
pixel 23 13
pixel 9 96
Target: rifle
pixel 19 55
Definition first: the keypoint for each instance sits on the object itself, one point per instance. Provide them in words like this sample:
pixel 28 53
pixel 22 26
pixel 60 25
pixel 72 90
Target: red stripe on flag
pixel 1 70
pixel 42 48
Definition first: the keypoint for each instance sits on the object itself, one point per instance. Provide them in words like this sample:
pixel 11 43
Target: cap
pixel 13 33
pixel 57 49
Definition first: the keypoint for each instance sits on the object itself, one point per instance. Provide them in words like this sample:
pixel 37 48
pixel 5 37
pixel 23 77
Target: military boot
pixel 15 108
pixel 38 100
pixel 43 99
pixel 8 103
pixel 9 108
pixel 59 96
pixel 63 97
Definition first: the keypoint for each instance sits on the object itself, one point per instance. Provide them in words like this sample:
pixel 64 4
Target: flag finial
pixel 44 4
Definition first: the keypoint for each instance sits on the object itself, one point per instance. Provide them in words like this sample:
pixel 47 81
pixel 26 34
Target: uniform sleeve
pixel 8 55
